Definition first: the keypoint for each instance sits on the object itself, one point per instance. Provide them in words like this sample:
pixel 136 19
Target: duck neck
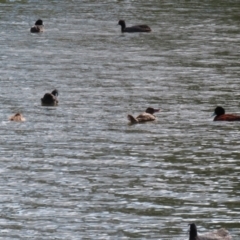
pixel 193 234
pixel 123 26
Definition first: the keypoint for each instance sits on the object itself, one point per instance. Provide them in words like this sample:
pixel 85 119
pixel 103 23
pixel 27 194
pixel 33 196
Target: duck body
pixel 18 117
pixel 220 115
pixel 220 234
pixel 38 27
pixel 50 99
pixel 144 117
pixel 137 28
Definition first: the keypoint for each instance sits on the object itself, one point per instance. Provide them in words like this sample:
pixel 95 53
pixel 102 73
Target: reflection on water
pixel 80 170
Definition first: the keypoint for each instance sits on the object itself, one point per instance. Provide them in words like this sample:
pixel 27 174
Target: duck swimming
pixel 137 28
pixel 220 115
pixel 38 27
pixel 50 99
pixel 220 234
pixel 144 117
pixel 18 117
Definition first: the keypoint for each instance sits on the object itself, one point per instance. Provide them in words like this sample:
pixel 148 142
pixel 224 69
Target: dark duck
pixel 220 115
pixel 38 27
pixel 220 234
pixel 50 99
pixel 144 117
pixel 137 28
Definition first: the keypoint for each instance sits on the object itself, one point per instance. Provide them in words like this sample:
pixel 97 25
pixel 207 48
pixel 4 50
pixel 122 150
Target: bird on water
pixel 136 28
pixel 50 99
pixel 220 234
pixel 38 27
pixel 220 115
pixel 18 117
pixel 144 117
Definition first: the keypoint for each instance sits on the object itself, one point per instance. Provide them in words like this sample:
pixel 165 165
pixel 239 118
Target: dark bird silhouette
pixel 38 27
pixel 137 28
pixel 50 99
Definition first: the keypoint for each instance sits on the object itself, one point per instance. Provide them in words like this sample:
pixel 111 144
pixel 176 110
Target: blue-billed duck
pixel 144 117
pixel 50 99
pixel 220 234
pixel 220 115
pixel 137 28
pixel 38 27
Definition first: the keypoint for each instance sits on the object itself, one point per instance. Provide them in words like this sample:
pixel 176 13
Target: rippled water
pixel 79 170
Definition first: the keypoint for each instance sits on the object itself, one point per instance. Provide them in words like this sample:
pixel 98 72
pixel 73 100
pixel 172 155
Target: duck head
pixel 192 231
pixel 219 111
pixel 151 110
pixel 55 92
pixel 39 22
pixel 122 23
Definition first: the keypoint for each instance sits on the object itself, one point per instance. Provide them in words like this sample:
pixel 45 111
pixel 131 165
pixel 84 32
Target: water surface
pixel 79 170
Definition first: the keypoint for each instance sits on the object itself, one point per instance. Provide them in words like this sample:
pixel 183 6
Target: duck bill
pixel 156 110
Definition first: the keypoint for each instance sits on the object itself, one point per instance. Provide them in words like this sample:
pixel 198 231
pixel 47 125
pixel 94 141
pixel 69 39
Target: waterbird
pixel 18 117
pixel 144 117
pixel 220 234
pixel 137 28
pixel 220 115
pixel 38 27
pixel 50 99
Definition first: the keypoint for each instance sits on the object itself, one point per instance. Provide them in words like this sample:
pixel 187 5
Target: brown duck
pixel 144 117
pixel 18 117
pixel 220 115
